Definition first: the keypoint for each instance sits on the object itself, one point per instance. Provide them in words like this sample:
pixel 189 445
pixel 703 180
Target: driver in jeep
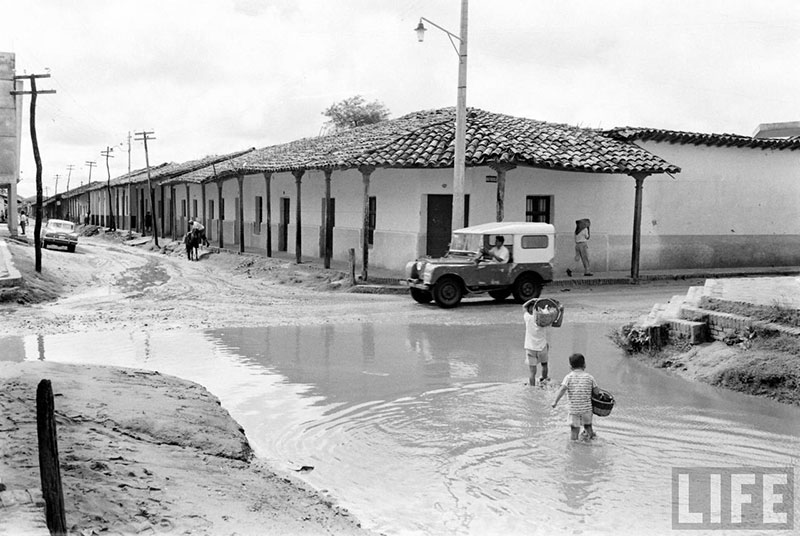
pixel 499 253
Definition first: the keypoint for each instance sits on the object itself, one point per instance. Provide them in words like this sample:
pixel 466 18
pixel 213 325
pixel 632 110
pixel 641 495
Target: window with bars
pixel 194 207
pixel 183 208
pixel 372 218
pixel 538 208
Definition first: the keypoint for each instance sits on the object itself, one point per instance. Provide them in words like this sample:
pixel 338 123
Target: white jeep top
pixel 528 242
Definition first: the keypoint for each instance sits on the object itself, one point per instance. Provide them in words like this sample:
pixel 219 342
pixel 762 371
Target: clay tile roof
pixel 425 139
pixel 699 138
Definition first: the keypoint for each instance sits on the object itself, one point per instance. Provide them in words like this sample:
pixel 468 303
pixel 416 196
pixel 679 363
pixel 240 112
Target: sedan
pixel 60 233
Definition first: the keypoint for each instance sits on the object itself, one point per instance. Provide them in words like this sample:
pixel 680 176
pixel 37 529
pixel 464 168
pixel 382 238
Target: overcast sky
pixel 216 76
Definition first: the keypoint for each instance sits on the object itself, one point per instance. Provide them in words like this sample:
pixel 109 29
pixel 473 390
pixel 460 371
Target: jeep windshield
pixel 466 244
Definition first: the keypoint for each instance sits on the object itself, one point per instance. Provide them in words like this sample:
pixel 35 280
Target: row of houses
pixel 656 198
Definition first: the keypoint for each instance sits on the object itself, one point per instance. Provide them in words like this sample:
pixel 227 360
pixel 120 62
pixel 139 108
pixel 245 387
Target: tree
pixel 354 112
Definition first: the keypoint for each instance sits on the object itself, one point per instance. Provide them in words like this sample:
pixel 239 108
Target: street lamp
pixel 461 111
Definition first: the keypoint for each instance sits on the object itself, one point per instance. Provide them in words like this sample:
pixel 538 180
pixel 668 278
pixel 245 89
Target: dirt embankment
pixel 755 362
pixel 144 453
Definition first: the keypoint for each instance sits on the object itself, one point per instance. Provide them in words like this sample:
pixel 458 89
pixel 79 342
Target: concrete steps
pixel 689 317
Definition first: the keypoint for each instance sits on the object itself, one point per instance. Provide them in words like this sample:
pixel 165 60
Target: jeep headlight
pixel 426 275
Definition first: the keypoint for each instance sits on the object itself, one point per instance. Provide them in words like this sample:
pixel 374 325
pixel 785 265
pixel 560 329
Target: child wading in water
pixel 536 344
pixel 579 386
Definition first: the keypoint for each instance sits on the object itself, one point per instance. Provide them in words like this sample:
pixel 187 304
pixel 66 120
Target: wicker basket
pixel 548 312
pixel 602 403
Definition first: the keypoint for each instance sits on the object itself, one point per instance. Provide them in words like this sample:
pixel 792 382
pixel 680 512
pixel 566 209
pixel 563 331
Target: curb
pixel 12 276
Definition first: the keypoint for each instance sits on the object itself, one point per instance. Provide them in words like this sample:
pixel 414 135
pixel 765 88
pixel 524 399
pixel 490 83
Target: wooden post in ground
pixel 352 258
pixel 49 468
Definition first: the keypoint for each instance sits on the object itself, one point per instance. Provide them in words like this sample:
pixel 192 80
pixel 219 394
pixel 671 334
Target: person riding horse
pixel 200 230
pixel 192 242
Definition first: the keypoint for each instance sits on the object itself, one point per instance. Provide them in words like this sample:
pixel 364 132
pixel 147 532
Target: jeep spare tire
pixel 447 292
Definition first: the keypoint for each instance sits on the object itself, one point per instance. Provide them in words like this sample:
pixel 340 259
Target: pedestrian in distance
pixel 23 221
pixel 579 386
pixel 537 344
pixel 582 236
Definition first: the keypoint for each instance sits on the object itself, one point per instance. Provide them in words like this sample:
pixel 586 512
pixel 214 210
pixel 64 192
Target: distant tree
pixel 354 112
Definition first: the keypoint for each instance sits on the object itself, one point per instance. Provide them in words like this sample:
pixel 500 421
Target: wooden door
pixel 439 221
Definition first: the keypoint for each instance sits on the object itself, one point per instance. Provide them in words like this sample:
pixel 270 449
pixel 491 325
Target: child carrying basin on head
pixel 579 386
pixel 537 346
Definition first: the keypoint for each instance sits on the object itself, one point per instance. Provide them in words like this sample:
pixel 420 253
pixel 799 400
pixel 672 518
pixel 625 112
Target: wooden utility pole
pixel 57 177
pixel 70 167
pixel 129 152
pixel 37 228
pixel 91 165
pixel 111 223
pixel 144 136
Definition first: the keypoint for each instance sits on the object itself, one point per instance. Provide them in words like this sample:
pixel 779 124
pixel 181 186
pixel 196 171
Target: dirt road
pixel 107 285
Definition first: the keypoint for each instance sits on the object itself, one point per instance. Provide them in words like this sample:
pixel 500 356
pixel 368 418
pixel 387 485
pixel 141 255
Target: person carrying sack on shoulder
pixel 23 221
pixel 582 235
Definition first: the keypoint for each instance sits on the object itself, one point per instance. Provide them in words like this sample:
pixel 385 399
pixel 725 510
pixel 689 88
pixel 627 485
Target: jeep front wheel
pixel 421 296
pixel 527 286
pixel 447 292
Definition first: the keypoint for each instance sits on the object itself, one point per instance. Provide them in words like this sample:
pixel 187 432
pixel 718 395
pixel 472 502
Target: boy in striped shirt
pixel 579 386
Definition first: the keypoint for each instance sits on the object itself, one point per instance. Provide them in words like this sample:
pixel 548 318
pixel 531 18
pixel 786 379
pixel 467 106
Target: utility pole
pixel 57 176
pixel 37 228
pixel 129 152
pixel 144 136
pixel 111 224
pixel 70 167
pixel 91 165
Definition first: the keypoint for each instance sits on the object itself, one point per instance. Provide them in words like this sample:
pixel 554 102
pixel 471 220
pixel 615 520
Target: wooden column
pixel 163 204
pixel 188 209
pixel 298 235
pixel 203 201
pixel 130 209
pixel 328 219
pixel 172 211
pixel 221 218
pixel 268 200
pixel 366 171
pixel 501 169
pixel 637 225
pixel 240 215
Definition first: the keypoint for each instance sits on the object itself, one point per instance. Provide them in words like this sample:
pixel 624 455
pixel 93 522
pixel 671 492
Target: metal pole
pixel 461 125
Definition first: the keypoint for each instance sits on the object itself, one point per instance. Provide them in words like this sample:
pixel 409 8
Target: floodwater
pixel 430 429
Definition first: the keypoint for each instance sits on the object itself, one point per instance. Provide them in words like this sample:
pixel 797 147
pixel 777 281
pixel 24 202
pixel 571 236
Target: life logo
pixel 727 498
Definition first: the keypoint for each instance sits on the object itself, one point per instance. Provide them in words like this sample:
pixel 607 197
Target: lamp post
pixel 461 111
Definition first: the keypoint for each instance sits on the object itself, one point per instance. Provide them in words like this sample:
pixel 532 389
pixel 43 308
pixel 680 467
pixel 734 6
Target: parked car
pixel 60 233
pixel 465 269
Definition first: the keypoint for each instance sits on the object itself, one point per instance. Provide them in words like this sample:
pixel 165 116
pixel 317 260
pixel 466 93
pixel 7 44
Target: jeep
pixel 466 269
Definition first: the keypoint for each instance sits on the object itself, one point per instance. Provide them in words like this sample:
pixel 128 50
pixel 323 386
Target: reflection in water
pixel 40 346
pixel 430 429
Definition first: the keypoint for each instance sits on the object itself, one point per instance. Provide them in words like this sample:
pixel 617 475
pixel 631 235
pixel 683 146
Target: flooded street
pixel 423 429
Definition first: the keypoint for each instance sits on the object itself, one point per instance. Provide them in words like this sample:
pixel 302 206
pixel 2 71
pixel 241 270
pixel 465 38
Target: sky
pixel 217 76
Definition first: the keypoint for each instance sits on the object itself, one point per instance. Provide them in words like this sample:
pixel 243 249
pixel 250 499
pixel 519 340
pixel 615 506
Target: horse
pixel 192 242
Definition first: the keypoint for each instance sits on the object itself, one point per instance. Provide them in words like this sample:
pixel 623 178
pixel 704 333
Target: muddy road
pixel 107 285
